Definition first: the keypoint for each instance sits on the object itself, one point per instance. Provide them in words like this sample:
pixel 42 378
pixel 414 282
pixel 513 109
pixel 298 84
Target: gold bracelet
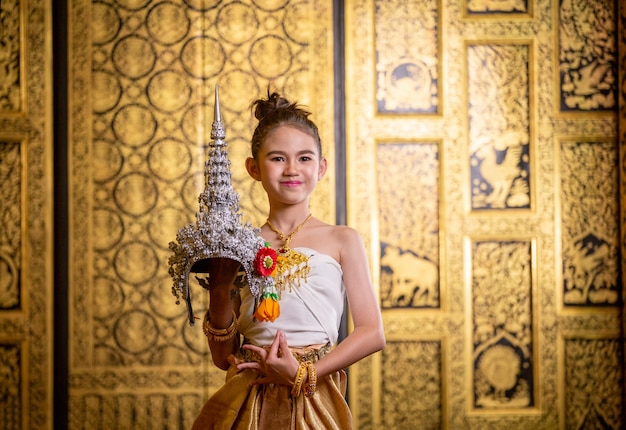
pixel 309 389
pixel 297 383
pixel 219 334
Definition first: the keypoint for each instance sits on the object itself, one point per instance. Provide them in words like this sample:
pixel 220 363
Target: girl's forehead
pixel 289 135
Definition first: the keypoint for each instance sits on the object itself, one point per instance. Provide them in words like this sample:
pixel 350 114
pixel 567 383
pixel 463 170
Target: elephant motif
pixel 410 280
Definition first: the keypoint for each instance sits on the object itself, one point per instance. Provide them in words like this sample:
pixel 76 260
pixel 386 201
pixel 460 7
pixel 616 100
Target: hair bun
pixel 266 107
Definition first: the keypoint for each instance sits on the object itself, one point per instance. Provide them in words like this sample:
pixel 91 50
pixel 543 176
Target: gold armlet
pixel 219 334
pixel 297 384
pixel 309 388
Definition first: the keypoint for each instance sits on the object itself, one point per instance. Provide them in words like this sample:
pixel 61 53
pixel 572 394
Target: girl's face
pixel 288 165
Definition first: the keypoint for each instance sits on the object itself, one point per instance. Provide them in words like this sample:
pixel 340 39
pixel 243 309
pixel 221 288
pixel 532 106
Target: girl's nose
pixel 291 168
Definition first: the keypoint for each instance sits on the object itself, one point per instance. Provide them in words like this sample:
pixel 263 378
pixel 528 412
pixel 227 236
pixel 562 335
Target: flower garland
pixel 265 264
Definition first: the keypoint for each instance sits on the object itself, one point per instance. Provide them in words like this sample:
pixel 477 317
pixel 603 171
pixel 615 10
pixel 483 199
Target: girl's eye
pixel 305 158
pixel 277 159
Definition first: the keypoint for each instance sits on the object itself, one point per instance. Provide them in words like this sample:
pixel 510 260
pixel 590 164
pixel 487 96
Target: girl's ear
pixel 253 168
pixel 322 169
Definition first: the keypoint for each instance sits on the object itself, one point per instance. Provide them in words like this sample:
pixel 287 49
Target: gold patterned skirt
pixel 238 405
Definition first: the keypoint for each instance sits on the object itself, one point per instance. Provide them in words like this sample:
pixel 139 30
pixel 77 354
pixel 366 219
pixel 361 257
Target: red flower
pixel 265 261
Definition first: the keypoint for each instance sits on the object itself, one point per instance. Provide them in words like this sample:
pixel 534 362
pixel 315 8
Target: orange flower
pixel 269 309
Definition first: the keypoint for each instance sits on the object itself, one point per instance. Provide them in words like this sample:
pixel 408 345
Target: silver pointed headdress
pixel 218 231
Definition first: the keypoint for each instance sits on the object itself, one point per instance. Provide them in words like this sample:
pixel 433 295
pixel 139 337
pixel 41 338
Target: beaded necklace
pixel 292 267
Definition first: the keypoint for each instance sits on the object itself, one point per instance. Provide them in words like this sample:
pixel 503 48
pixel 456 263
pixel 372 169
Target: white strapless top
pixel 309 314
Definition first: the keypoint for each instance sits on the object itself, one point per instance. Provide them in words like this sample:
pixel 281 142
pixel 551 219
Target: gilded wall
pixel 492 215
pixel 26 208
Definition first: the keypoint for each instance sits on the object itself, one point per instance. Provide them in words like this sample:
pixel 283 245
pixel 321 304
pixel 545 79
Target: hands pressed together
pixel 276 365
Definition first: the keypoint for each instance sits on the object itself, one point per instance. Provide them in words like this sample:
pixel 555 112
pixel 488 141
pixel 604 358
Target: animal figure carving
pixel 499 174
pixel 414 280
pixel 586 266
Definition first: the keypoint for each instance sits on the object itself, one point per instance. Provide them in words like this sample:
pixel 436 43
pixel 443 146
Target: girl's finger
pixel 283 341
pixel 249 365
pixel 274 348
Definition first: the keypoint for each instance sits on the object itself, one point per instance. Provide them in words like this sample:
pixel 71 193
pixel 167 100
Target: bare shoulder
pixel 334 240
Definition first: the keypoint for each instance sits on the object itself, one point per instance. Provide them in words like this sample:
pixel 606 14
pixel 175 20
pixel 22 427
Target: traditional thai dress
pixel 310 315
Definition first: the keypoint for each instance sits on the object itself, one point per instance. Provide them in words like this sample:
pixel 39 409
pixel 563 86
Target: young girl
pixel 288 373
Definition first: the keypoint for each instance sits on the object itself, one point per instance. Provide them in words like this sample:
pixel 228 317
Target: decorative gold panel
pixel 412 387
pixel 409 244
pixel 144 76
pixel 26 209
pixel 503 325
pixel 11 218
pixel 499 130
pixel 11 57
pixel 592 379
pixel 408 74
pixel 587 55
pixel 13 387
pixel 589 223
pixel 484 8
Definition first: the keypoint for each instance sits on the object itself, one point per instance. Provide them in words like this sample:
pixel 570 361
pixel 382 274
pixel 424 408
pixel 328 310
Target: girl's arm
pixel 222 303
pixel 368 335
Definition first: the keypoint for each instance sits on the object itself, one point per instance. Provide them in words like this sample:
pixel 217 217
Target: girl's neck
pixel 287 219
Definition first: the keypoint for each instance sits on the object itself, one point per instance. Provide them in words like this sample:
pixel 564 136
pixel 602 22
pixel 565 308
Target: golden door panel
pixel 142 95
pixel 589 223
pixel 26 223
pixel 591 380
pixel 504 217
pixel 587 58
pixel 407 74
pixel 13 354
pixel 499 131
pixel 412 385
pixel 12 49
pixel 502 335
pixel 409 244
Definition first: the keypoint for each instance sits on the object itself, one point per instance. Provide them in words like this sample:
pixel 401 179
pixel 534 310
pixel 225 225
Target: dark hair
pixel 276 111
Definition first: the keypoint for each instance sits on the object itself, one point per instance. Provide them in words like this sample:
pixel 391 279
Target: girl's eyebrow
pixel 303 152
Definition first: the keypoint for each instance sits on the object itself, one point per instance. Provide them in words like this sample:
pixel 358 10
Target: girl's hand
pixel 277 366
pixel 222 273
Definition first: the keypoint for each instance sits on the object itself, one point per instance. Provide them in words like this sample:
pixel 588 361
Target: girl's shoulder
pixel 333 240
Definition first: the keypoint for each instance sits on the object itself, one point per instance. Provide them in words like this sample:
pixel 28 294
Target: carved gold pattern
pixel 519 42
pixel 141 107
pixel 12 387
pixel 408 76
pixel 412 388
pixel 11 187
pixel 494 7
pixel 587 55
pixel 499 130
pixel 592 378
pixel 589 223
pixel 26 223
pixel 621 162
pixel 409 255
pixel 11 54
pixel 503 325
